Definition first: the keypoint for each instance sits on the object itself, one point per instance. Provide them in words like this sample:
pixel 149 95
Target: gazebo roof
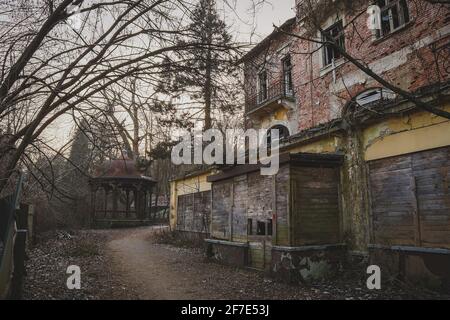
pixel 124 170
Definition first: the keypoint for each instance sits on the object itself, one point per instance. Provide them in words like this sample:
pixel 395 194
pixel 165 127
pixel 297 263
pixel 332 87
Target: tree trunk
pixel 208 97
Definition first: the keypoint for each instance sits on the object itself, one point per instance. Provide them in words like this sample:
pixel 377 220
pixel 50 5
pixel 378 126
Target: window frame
pixel 250 227
pixel 260 229
pixel 266 86
pixel 403 13
pixel 339 38
pixel 288 91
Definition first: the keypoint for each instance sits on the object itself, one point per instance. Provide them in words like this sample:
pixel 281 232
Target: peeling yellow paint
pixel 181 187
pixel 326 145
pixel 409 141
pixel 281 114
pixel 410 133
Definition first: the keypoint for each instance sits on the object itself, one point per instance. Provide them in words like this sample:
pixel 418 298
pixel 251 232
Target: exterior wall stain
pixel 304 265
pixel 354 194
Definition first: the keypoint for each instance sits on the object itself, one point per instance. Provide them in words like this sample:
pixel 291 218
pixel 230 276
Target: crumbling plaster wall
pixel 185 186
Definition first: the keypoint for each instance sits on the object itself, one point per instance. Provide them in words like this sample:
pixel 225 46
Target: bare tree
pixel 50 67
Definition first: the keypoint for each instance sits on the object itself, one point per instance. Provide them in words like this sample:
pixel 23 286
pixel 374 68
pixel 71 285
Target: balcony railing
pixel 275 91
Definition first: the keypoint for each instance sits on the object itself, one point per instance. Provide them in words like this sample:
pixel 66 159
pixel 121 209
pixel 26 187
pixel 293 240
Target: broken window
pixel 269 227
pixel 394 15
pixel 261 228
pixel 334 33
pixel 262 86
pixel 250 227
pixel 287 77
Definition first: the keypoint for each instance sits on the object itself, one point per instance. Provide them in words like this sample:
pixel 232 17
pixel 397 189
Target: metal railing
pixel 275 90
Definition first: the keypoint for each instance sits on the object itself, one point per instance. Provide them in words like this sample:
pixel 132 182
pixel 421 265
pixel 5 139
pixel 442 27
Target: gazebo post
pixel 136 203
pixel 145 204
pixel 150 211
pixel 93 203
pixel 115 201
pixel 127 206
pixel 140 204
pixel 156 204
pixel 106 201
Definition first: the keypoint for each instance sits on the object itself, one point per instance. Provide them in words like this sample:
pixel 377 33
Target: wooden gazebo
pixel 121 195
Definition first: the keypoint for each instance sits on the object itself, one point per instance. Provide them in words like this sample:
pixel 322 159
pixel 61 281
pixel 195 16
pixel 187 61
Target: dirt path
pixel 155 273
pixel 160 271
pixel 130 264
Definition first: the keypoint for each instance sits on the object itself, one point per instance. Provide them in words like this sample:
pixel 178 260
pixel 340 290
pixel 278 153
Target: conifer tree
pixel 207 74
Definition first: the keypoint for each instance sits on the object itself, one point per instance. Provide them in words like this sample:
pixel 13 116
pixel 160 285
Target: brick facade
pixel 405 58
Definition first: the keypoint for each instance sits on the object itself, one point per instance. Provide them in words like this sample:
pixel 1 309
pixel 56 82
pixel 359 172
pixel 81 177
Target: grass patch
pixel 83 248
pixel 178 239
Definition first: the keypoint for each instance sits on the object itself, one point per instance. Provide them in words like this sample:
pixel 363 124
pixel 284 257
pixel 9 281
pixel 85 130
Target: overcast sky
pixel 245 23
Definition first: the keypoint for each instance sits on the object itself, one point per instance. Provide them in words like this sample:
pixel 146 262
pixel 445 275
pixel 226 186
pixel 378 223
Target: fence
pixel 13 235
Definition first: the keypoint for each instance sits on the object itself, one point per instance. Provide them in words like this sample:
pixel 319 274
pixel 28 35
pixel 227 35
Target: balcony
pixel 276 95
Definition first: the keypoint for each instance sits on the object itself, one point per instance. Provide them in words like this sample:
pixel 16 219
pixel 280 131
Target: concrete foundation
pixel 228 253
pixel 424 266
pixel 307 263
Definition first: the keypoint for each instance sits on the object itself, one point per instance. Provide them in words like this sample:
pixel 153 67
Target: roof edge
pixel 264 42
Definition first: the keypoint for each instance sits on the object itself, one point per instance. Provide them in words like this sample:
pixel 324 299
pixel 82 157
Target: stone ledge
pixel 309 248
pixel 227 243
pixel 410 249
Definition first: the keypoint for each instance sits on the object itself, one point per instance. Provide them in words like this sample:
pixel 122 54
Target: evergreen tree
pixel 207 74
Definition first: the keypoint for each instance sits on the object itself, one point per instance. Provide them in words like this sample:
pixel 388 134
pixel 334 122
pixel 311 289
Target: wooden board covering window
pixel 410 199
pixel 221 208
pixel 315 205
pixel 194 212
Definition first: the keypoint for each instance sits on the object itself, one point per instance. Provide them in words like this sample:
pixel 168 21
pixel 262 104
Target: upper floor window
pixel 394 15
pixel 287 76
pixel 262 86
pixel 334 33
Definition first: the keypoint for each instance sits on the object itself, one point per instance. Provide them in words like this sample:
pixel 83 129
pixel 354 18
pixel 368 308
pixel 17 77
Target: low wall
pixel 425 266
pixel 307 263
pixel 192 236
pixel 118 224
pixel 226 252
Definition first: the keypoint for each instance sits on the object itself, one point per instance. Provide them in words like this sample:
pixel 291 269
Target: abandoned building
pixel 121 195
pixel 364 173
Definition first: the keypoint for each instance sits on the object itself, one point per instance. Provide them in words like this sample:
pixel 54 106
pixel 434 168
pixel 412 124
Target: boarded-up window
pixel 194 212
pixel 315 205
pixel 411 200
pixel 250 227
pixel 221 209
